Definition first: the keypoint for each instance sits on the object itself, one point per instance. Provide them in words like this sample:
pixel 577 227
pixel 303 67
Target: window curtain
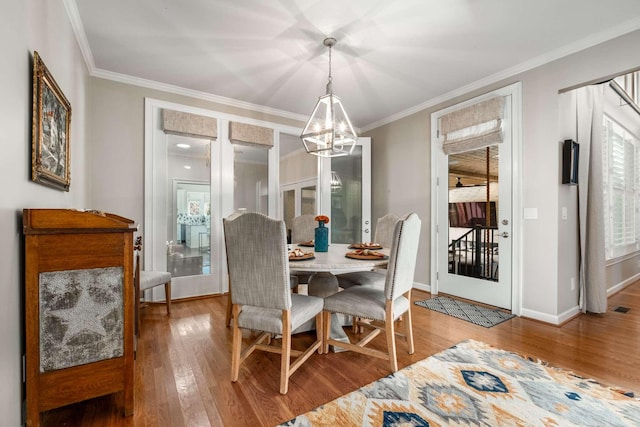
pixel 188 124
pixel 589 113
pixel 473 127
pixel 242 133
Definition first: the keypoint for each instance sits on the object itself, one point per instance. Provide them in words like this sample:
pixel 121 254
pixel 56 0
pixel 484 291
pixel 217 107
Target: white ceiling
pixel 392 57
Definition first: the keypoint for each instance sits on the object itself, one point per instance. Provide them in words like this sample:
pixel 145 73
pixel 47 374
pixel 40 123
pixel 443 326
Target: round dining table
pixel 324 266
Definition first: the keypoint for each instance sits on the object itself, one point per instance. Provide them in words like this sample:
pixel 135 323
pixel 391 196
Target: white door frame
pixel 155 197
pixel 515 90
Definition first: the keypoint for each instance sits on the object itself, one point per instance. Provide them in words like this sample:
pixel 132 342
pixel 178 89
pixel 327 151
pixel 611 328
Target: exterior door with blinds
pixel 472 204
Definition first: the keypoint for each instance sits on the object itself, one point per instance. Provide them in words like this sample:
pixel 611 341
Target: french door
pixel 472 211
pixel 346 194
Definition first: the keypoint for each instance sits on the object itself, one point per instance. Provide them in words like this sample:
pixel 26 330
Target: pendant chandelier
pixel 328 132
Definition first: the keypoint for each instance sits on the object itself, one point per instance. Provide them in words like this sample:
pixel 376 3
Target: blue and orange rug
pixel 474 384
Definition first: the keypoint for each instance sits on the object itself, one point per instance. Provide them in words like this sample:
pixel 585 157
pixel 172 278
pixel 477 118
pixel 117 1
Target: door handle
pixel 504 234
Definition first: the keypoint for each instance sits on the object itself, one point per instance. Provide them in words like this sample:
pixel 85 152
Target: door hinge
pixel 437 276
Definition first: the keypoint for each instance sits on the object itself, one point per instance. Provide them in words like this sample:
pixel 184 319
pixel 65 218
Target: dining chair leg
pixel 137 316
pixel 391 336
pixel 409 326
pixel 326 324
pixel 236 347
pixel 285 357
pixel 167 296
pixel 320 331
pixel 227 321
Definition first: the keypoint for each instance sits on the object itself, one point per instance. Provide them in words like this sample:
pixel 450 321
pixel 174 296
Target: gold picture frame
pixel 51 127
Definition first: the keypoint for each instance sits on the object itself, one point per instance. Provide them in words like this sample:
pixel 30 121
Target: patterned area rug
pixel 476 314
pixel 474 384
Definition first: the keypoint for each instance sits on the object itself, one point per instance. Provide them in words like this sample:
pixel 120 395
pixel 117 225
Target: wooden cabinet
pixel 79 308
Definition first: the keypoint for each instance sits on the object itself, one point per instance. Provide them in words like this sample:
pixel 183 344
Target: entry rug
pixel 473 313
pixel 474 384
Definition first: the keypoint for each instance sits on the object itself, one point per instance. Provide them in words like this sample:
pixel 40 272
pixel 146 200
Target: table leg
pixel 322 284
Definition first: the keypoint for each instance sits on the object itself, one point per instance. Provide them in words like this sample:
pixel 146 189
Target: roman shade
pixel 188 124
pixel 473 127
pixel 242 133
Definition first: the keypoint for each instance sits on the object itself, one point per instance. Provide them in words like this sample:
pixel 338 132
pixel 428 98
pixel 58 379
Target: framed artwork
pixel 51 126
pixel 194 208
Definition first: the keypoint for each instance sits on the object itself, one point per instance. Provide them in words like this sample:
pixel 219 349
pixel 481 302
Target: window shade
pixel 250 134
pixel 188 124
pixel 473 127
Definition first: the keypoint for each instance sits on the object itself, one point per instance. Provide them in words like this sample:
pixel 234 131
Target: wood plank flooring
pixel 183 364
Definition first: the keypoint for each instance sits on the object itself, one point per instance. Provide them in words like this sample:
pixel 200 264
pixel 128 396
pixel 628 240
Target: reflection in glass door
pixel 251 178
pixel 348 184
pixel 189 225
pixel 298 199
pixel 298 179
pixel 189 250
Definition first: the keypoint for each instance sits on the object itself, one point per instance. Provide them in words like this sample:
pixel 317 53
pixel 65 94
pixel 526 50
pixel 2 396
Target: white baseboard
pixel 620 286
pixel 422 287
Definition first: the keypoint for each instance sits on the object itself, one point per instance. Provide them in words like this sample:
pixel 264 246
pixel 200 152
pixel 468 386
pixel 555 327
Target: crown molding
pixel 81 35
pixel 593 40
pixel 178 90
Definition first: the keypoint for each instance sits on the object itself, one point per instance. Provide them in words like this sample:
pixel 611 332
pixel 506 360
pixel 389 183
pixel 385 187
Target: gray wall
pixel 26 26
pixel 116 127
pixel 107 166
pixel 549 257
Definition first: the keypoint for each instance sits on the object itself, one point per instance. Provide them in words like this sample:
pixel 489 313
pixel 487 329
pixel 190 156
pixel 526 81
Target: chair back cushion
pixel 303 228
pixel 258 262
pixel 384 230
pixel 402 260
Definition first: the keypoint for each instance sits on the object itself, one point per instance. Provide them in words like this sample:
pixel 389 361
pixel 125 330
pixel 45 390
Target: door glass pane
pixel 289 210
pixel 473 209
pixel 251 179
pixel 308 202
pixel 346 198
pixel 189 172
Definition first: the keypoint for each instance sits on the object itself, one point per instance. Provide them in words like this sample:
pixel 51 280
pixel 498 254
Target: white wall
pixel 26 26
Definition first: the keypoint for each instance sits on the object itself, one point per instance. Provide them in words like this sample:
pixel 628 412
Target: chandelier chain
pixel 330 78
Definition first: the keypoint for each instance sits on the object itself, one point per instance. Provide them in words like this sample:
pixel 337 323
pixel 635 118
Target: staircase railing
pixel 472 254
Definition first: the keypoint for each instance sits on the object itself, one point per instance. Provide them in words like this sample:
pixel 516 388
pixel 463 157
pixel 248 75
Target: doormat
pixel 473 313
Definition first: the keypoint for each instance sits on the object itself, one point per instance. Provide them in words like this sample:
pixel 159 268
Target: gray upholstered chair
pixel 303 228
pixel 382 306
pixel 262 301
pixel 384 236
pixel 293 280
pixel 144 280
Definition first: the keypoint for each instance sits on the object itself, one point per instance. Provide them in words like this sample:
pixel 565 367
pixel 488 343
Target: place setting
pixel 300 255
pixel 365 245
pixel 309 244
pixel 366 254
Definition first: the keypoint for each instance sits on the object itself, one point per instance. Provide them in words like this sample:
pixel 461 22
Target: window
pixel 621 189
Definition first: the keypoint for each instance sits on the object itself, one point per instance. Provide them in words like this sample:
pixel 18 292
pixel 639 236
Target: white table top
pixel 335 260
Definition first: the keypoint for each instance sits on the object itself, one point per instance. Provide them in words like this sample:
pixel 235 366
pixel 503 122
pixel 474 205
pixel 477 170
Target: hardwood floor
pixel 183 364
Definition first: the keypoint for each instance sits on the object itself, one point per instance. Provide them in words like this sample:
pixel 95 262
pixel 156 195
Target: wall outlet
pixel 573 283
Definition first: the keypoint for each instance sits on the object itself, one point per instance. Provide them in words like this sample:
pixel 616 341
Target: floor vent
pixel 622 309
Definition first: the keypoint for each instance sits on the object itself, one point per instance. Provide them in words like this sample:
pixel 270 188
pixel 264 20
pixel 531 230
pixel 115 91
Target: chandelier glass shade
pixel 328 132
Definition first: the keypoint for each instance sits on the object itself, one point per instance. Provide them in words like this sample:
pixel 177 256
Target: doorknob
pixel 504 234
